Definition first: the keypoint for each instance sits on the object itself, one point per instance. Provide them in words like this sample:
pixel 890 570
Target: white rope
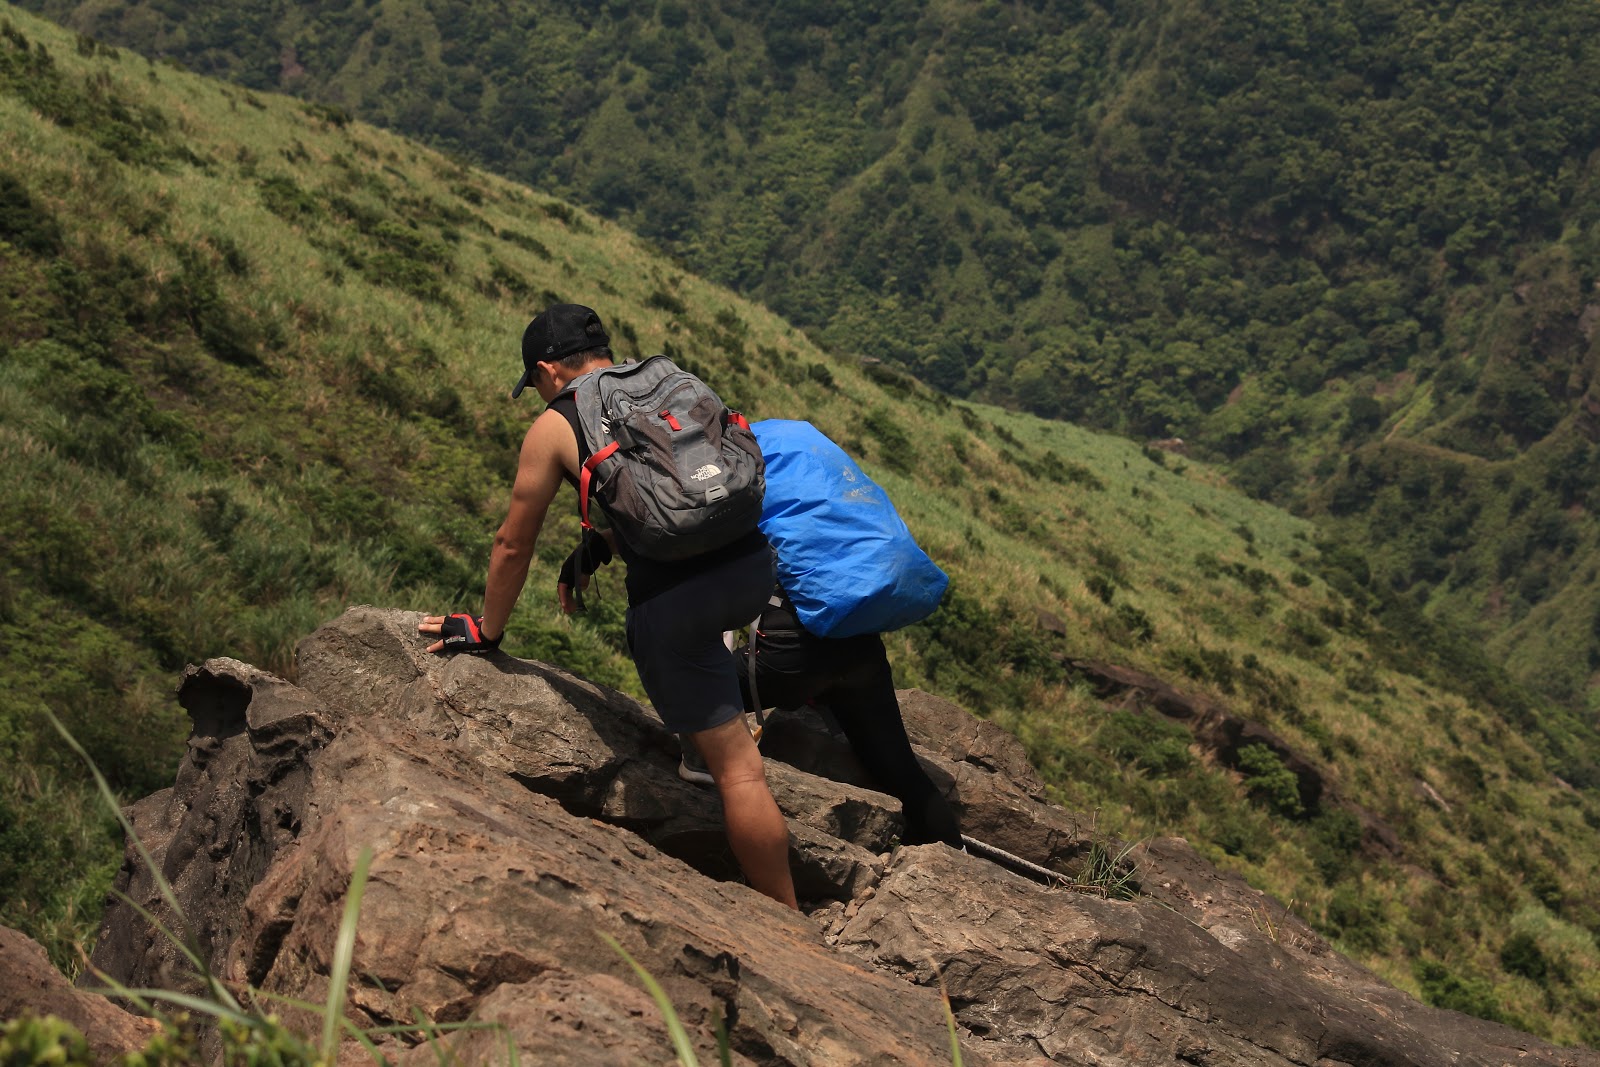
pixel 1014 863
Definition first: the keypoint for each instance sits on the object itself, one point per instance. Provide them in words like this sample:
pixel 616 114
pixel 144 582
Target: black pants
pixel 851 677
pixel 675 638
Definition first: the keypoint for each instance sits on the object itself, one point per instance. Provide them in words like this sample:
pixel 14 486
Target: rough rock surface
pixel 515 813
pixel 30 985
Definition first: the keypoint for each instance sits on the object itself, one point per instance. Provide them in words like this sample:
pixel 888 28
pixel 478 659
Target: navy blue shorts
pixel 675 638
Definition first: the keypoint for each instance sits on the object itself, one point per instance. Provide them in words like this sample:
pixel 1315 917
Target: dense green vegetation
pixel 254 358
pixel 1304 237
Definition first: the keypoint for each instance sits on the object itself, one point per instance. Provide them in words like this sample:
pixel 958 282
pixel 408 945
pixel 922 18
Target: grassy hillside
pixel 1295 234
pixel 254 365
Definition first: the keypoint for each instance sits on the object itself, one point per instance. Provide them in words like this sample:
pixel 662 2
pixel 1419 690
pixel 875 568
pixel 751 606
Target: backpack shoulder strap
pixel 588 397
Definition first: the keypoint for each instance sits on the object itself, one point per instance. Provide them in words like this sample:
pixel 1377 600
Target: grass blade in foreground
pixel 949 1018
pixel 724 1045
pixel 680 1036
pixel 343 949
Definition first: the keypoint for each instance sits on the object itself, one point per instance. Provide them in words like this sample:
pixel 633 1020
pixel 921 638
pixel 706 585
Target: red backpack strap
pixel 584 477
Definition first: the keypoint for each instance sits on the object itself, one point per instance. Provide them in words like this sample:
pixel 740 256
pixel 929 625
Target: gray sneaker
pixel 692 768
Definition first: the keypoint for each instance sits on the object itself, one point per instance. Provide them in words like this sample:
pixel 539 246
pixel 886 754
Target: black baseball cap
pixel 557 331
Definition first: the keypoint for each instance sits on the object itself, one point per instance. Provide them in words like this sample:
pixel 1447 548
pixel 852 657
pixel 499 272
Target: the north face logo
pixel 710 470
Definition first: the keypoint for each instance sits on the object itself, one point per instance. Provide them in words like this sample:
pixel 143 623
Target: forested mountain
pixel 254 358
pixel 1348 248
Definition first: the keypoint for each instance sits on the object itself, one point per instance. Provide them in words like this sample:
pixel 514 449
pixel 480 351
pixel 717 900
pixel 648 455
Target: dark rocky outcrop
pixel 514 813
pixel 238 800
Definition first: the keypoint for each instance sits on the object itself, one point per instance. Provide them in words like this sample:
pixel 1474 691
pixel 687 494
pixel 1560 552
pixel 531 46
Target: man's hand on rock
pixel 459 633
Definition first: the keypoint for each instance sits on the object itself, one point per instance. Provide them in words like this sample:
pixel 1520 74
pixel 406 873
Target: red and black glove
pixel 592 553
pixel 464 633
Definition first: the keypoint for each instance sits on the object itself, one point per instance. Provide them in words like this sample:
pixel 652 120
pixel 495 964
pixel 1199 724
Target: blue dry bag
pixel 845 558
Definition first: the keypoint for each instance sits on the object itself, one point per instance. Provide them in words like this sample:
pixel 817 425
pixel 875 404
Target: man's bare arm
pixel 547 450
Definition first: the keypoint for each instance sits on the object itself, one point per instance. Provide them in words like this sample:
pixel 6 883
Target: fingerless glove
pixel 592 553
pixel 464 633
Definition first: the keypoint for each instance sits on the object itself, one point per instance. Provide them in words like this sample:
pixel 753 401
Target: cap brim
pixel 522 383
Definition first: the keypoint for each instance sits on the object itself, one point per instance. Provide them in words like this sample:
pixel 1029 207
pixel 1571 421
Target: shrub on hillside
pixel 1268 781
pixel 1151 744
pixel 1442 988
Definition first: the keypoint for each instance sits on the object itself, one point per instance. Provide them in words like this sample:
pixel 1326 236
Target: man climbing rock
pixel 678 604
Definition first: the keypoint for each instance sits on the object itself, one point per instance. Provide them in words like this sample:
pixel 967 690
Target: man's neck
pixel 564 377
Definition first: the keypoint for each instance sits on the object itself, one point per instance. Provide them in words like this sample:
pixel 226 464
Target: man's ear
pixel 548 366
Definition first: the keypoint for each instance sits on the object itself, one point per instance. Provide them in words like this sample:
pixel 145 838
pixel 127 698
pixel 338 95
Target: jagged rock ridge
pixel 515 812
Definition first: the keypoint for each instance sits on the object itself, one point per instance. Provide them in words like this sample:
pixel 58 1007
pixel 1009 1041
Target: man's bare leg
pixel 756 830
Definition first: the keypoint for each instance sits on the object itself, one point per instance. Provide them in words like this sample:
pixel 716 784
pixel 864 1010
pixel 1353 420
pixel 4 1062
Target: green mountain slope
pixel 254 360
pixel 1286 232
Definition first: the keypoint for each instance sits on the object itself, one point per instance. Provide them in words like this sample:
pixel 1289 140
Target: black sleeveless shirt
pixel 650 577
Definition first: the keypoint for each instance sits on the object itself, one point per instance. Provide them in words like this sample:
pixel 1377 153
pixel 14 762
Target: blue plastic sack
pixel 844 556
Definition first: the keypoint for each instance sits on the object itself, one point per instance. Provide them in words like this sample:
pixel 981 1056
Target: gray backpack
pixel 677 473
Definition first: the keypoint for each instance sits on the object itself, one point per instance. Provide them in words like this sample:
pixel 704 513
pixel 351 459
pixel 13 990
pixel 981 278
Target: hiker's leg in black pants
pixel 852 677
pixel 789 671
pixel 862 700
